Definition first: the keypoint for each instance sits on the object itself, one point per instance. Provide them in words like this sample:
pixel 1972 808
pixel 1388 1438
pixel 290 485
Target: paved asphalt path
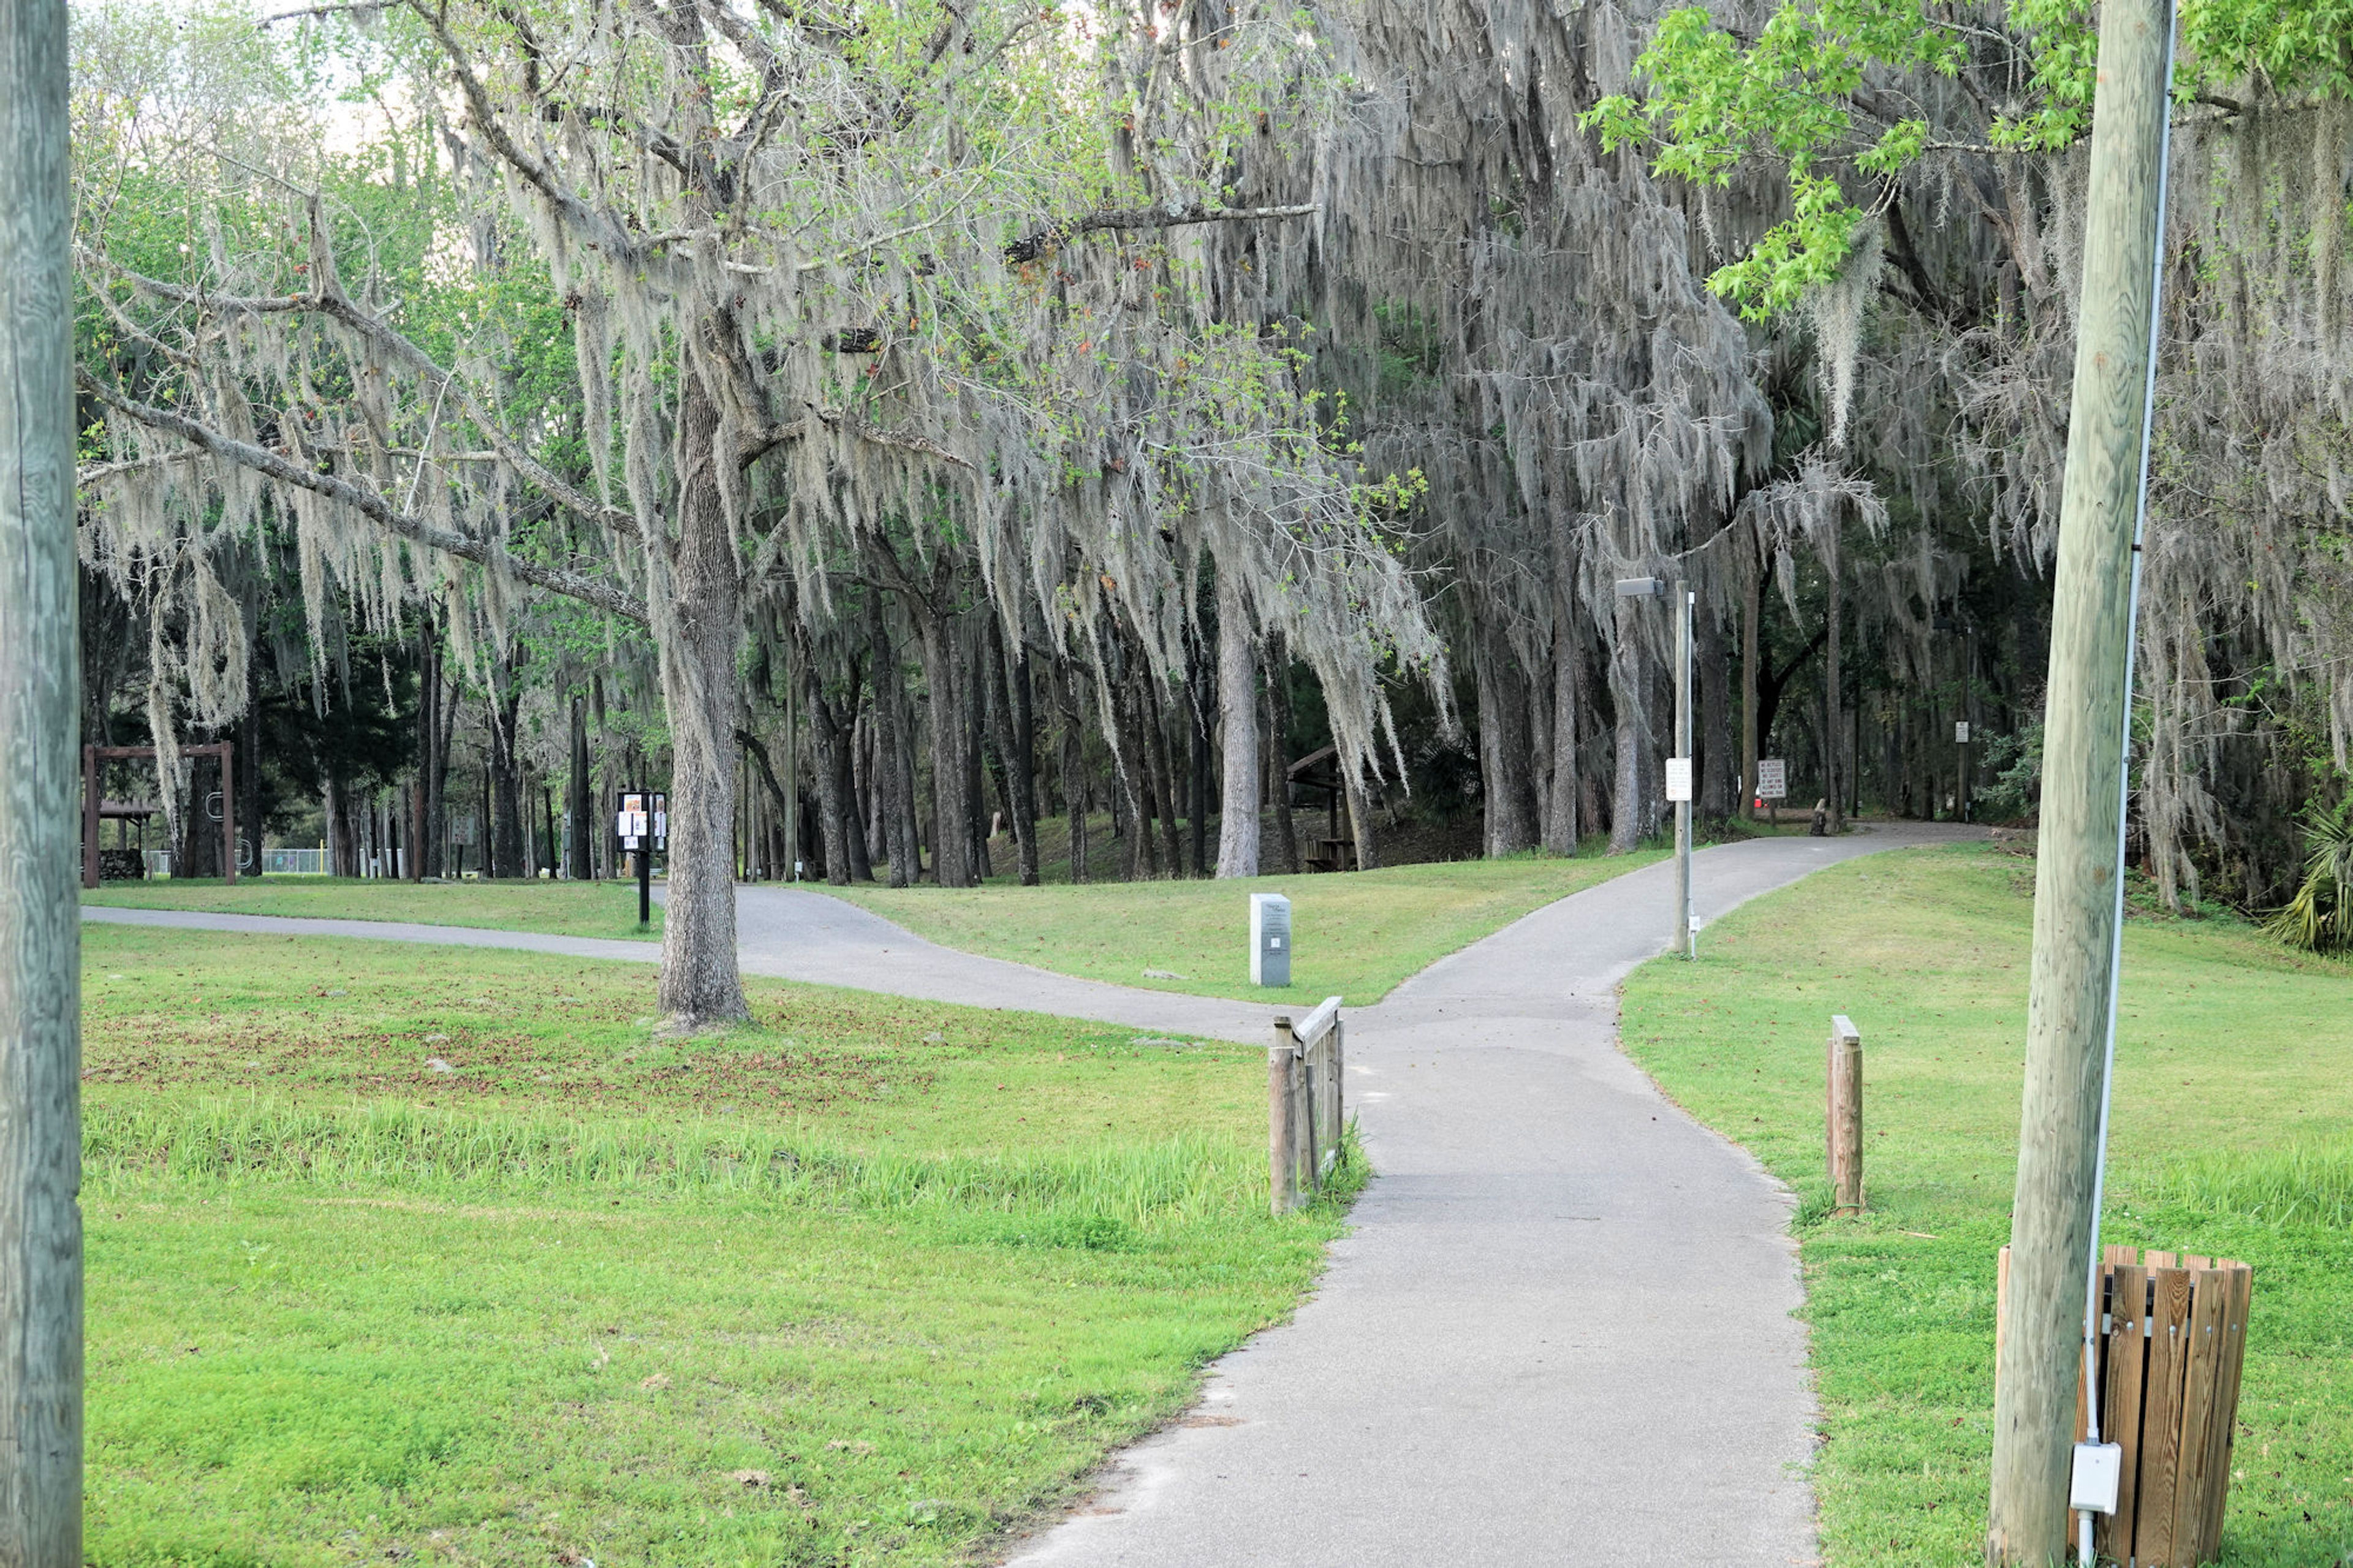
pixel 1559 1330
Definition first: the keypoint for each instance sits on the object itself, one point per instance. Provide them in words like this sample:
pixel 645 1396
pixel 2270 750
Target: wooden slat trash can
pixel 2173 1345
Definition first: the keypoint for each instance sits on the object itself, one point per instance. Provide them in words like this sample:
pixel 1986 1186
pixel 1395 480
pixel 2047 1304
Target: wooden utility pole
pixel 2077 902
pixel 40 705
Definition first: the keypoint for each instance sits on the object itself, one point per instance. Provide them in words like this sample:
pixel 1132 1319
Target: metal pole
pixel 646 865
pixel 40 704
pixel 1683 943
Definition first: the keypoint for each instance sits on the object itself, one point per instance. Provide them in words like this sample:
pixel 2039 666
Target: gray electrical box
pixel 1270 939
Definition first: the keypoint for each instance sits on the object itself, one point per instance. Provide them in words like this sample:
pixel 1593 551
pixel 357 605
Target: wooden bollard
pixel 1282 1121
pixel 1844 1116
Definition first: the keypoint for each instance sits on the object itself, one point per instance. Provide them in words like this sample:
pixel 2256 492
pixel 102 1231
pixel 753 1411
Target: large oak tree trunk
pixel 1751 627
pixel 1505 746
pixel 828 768
pixel 1238 830
pixel 580 796
pixel 1560 820
pixel 1074 764
pixel 1154 714
pixel 1278 752
pixel 1626 698
pixel 1011 738
pixel 1716 785
pixel 506 780
pixel 953 859
pixel 896 789
pixel 703 613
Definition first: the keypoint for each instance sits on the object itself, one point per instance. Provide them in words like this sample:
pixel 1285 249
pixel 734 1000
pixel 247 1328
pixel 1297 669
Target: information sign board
pixel 1772 778
pixel 1679 778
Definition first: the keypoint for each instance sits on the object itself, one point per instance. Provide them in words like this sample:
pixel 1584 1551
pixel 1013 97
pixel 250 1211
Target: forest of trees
pixel 876 420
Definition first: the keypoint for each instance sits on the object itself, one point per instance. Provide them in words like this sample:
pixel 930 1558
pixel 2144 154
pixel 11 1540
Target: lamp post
pixel 1679 766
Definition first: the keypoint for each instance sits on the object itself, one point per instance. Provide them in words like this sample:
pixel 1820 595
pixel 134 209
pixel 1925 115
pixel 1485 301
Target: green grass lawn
pixel 1357 934
pixel 406 1252
pixel 560 909
pixel 2232 1134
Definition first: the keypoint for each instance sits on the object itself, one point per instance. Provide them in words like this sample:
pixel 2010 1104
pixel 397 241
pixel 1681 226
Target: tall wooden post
pixel 1845 1117
pixel 1282 1122
pixel 40 707
pixel 2077 901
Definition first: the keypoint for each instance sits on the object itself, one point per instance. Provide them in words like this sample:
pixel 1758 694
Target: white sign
pixel 1270 924
pixel 1961 731
pixel 1772 778
pixel 1679 782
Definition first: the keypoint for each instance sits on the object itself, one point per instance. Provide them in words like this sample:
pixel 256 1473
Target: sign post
pixel 1773 783
pixel 642 824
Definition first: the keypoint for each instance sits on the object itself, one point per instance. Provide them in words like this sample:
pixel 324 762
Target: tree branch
pixel 332 302
pixel 1031 246
pixel 271 465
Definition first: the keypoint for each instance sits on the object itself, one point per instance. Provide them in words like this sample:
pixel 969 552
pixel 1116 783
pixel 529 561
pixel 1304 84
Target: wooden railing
pixel 1305 1109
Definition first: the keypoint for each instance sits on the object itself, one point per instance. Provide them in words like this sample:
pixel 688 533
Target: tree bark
pixel 1626 699
pixel 700 986
pixel 1074 765
pixel 40 816
pixel 580 796
pixel 1155 715
pixel 1238 826
pixel 1200 701
pixel 1014 743
pixel 1715 760
pixel 828 767
pixel 1130 766
pixel 892 783
pixel 1360 823
pixel 1751 629
pixel 1505 745
pixel 953 859
pixel 1560 822
pixel 506 782
pixel 1278 752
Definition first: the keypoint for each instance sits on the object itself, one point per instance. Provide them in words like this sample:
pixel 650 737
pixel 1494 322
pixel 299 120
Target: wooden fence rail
pixel 1305 1109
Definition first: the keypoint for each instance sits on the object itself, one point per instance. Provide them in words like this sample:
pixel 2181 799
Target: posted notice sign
pixel 1772 778
pixel 642 817
pixel 1679 778
pixel 1961 731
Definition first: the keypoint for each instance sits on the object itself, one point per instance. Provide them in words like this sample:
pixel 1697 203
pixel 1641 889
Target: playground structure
pixel 95 810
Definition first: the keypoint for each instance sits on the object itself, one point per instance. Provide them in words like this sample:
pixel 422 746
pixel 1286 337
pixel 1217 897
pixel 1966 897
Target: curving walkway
pixel 1560 1330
